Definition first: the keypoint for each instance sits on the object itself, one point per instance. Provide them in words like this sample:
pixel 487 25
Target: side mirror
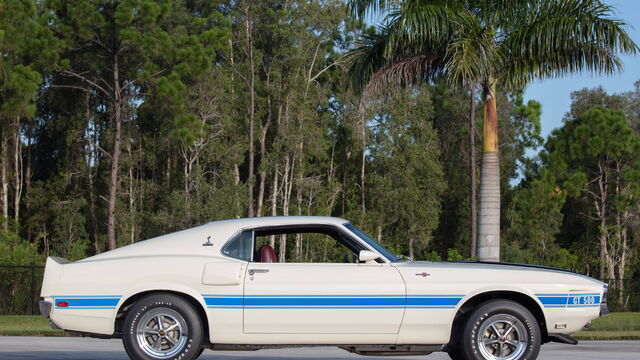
pixel 366 255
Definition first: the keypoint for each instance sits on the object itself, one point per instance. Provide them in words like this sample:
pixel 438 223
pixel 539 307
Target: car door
pixel 311 296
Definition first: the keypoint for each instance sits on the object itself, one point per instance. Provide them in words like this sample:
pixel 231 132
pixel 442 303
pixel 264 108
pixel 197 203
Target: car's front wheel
pixel 500 330
pixel 162 327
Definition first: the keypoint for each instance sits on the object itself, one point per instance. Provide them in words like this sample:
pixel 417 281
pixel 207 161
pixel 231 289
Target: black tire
pixel 455 353
pixel 481 341
pixel 180 337
pixel 454 347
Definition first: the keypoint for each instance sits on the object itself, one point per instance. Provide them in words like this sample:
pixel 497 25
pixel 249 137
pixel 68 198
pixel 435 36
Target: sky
pixel 555 94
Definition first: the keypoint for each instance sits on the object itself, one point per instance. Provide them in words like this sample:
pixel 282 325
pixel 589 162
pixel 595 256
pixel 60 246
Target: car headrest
pixel 266 254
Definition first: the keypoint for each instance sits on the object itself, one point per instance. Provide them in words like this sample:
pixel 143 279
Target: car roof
pixel 219 232
pixel 278 220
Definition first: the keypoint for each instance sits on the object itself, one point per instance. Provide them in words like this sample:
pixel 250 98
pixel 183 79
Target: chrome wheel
pixel 502 337
pixel 162 333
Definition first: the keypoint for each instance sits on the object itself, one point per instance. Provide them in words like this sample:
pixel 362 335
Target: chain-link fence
pixel 20 291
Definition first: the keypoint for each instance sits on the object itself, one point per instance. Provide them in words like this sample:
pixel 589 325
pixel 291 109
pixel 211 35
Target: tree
pixel 126 50
pixel 26 46
pixel 533 221
pixel 595 157
pixel 496 44
pixel 406 178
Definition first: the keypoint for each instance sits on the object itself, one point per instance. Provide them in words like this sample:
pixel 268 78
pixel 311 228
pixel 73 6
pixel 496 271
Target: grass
pixel 617 326
pixel 26 325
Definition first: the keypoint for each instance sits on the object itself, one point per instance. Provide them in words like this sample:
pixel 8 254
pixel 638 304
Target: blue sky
pixel 555 94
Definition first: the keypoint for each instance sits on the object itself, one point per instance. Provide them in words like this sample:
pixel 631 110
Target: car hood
pixel 487 265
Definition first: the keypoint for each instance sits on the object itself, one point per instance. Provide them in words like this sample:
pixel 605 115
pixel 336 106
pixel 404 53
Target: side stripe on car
pixel 569 300
pixel 332 301
pixel 86 302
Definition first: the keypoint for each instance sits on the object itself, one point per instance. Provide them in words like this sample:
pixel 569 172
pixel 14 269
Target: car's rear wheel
pixel 162 327
pixel 500 330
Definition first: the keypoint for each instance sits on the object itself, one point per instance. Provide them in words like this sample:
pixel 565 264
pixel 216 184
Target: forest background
pixel 125 120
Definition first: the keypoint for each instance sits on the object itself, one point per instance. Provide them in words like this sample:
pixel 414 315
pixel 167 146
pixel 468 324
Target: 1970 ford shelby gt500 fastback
pixel 223 286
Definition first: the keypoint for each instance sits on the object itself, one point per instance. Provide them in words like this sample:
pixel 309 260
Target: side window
pixel 307 245
pixel 240 247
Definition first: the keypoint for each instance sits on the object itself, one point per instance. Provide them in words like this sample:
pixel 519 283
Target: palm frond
pixel 412 70
pixel 566 36
pixel 362 62
pixel 471 53
pixel 361 8
pixel 426 28
pixel 411 36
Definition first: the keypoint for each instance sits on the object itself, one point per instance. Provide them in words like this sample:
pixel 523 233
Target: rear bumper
pixel 45 308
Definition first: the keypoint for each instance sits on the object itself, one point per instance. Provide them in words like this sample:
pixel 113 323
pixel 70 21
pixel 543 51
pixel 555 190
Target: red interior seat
pixel 266 254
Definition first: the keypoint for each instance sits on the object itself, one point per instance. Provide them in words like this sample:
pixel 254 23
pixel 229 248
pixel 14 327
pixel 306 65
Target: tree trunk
pixel 5 181
pixel 236 182
pixel 622 264
pixel 489 220
pixel 601 209
pixel 298 235
pixel 91 164
pixel 411 248
pixel 263 152
pixel 93 229
pixel 473 171
pixel 251 109
pixel 115 160
pixel 27 172
pixel 274 203
pixel 132 203
pixel 285 209
pixel 17 177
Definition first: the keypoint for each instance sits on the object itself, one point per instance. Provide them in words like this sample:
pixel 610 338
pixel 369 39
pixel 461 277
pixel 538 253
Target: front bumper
pixel 604 309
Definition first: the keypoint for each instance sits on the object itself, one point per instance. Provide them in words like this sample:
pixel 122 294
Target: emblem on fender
pixel 208 243
pixel 424 274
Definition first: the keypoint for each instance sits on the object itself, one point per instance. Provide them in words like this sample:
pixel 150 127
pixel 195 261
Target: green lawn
pixel 21 325
pixel 617 326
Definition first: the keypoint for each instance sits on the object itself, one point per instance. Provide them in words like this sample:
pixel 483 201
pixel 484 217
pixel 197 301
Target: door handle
pixel 255 271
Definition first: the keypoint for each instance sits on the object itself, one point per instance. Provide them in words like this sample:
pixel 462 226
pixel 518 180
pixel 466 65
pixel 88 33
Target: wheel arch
pixel 520 298
pixel 132 299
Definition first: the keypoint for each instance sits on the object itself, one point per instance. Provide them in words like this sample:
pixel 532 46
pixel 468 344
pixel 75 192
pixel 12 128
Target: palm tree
pixel 493 44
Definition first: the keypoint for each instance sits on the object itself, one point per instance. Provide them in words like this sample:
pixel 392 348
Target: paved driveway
pixel 68 348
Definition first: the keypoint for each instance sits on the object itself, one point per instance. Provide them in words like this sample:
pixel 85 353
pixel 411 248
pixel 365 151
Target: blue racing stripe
pixel 418 301
pixel 87 302
pixel 223 301
pixel 332 301
pixel 569 300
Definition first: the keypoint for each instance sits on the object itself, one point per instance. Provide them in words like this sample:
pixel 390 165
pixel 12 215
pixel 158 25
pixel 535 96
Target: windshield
pixel 371 242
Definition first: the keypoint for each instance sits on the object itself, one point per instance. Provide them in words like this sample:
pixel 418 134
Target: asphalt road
pixel 52 348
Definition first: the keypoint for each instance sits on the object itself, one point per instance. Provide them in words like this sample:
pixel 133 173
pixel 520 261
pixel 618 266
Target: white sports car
pixel 223 286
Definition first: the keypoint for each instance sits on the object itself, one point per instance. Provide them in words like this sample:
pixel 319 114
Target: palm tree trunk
pixel 489 221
